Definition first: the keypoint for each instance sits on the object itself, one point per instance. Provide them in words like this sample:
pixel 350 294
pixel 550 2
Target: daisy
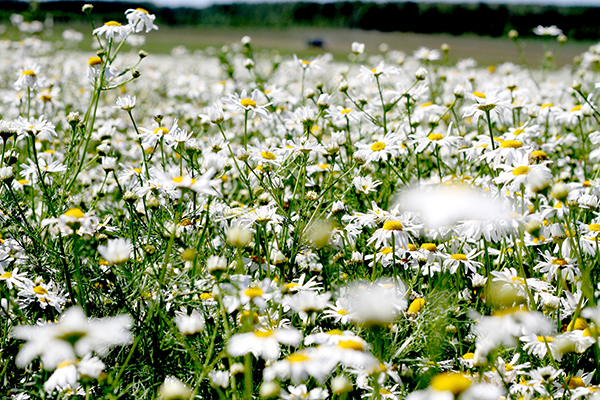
pixel 520 172
pixel 28 79
pixel 553 265
pixel 377 303
pixel 437 139
pixel 453 261
pixel 540 344
pixel 244 103
pixel 141 20
pixel 112 28
pixel 338 311
pixel 13 278
pixel 262 343
pixel 69 372
pixel 311 362
pixel 125 103
pixel 484 104
pixel 380 70
pixel 425 54
pixel 74 335
pixel 302 393
pixel 42 129
pixel 547 30
pixel 381 149
pixel 117 251
pixel 391 231
pixel 365 184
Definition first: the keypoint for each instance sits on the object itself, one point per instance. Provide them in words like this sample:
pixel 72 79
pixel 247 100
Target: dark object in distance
pixel 318 43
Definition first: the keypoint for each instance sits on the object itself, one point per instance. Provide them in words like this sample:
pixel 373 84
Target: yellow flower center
pixel 40 290
pixel 378 146
pixel 435 136
pixel 74 213
pixel 94 61
pixel 591 332
pixel 386 250
pixel 374 70
pixel 412 247
pixel 523 170
pixel 543 339
pixel 29 72
pixel 161 131
pixel 142 10
pixel 511 144
pixel 559 261
pixel 575 382
pixel 384 391
pixel 112 23
pixel 267 155
pixel 206 296
pixel 578 325
pixel 248 103
pixel 479 94
pixel 335 332
pixel 342 312
pixel 518 280
pixel 459 256
pixel 266 333
pixel 416 305
pixel 547 105
pixel 6 275
pixel 392 226
pixel 65 364
pixel 426 104
pixel 351 345
pixel 576 108
pixel 539 154
pixel 594 227
pixel 253 292
pixel 429 246
pixel 293 358
pixel 346 111
pixel 454 382
pixel 468 356
pixel 179 179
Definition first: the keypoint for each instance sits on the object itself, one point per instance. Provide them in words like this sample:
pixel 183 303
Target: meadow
pixel 231 222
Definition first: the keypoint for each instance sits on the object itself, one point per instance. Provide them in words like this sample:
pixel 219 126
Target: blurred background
pixel 471 28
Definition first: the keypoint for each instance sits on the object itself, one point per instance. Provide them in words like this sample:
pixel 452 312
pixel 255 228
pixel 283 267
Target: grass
pixel 485 50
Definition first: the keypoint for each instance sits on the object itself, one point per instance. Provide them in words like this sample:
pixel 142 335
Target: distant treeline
pixel 455 19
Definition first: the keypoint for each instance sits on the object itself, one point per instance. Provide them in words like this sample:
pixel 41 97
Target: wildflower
pixel 547 31
pixel 173 389
pixel 378 303
pixel 74 335
pixel 141 20
pixel 28 79
pixel 69 372
pixel 112 28
pixel 453 261
pixel 189 324
pixel 484 104
pixel 117 251
pixel 378 150
pixel 126 103
pixel 365 184
pixel 358 48
pixel 262 343
pixel 42 129
pixel 248 104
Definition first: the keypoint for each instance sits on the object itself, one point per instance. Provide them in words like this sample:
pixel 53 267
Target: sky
pixel 206 3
